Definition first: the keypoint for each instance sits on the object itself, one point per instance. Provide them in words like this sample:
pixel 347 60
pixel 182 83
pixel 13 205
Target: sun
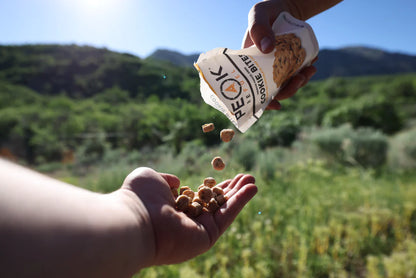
pixel 96 3
pixel 92 6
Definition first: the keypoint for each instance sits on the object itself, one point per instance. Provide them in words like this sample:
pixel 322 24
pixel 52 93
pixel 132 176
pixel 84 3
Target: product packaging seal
pixel 241 83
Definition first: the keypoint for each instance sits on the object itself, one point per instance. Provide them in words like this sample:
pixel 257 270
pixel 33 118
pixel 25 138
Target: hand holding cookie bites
pixel 260 33
pixel 177 236
pixel 53 229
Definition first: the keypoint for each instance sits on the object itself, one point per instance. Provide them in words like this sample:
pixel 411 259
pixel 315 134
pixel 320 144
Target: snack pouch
pixel 241 83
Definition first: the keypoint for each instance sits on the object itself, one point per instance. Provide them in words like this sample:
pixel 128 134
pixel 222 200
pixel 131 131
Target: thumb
pixel 172 180
pixel 259 27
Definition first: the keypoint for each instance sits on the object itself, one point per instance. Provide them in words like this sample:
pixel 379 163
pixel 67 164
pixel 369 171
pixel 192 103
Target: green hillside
pixel 83 71
pixel 174 57
pixel 55 99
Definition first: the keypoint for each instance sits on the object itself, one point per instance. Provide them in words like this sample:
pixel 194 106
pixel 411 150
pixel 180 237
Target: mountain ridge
pixel 175 57
pixel 84 71
pixel 342 62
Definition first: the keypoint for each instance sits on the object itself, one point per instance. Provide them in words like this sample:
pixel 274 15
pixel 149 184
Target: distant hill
pixel 361 61
pixel 174 57
pixel 349 61
pixel 83 71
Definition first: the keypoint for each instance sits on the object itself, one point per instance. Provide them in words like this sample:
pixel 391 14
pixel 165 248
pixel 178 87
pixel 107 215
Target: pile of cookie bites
pixel 208 197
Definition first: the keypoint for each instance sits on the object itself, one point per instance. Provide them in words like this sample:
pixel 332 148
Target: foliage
pixel 310 218
pixel 315 219
pixel 83 71
pixel 363 146
pixel 402 153
pixel 276 130
pixel 40 128
pixel 376 113
pixel 55 100
pixel 399 264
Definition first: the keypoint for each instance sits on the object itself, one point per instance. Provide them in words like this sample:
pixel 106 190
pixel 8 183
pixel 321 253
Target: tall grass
pixel 314 220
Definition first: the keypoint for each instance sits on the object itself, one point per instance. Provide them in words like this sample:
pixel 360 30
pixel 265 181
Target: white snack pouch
pixel 241 83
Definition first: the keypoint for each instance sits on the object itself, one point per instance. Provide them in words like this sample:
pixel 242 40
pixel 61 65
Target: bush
pixel 330 140
pixel 91 151
pixel 368 148
pixel 245 153
pixel 377 113
pixel 269 161
pixel 400 263
pixel 365 146
pixel 191 160
pixel 276 130
pixel 402 153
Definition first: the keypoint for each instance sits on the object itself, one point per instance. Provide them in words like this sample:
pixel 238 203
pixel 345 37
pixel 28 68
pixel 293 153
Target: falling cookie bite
pixel 217 163
pixel 227 135
pixel 208 127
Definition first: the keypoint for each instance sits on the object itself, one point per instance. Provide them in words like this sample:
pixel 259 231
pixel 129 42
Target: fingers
pixel 224 184
pixel 247 42
pixel 239 191
pixel 172 180
pixel 239 197
pixel 228 185
pixel 239 181
pixel 232 183
pixel 291 87
pixel 297 82
pixel 308 72
pixel 136 177
pixel 274 105
pixel 140 175
pixel 259 27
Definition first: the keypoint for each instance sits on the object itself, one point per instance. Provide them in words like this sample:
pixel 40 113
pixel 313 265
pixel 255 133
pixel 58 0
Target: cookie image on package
pixel 289 56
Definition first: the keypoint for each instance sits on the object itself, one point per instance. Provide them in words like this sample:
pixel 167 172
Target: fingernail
pixel 265 43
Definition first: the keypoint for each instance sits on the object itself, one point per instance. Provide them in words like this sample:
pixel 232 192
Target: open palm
pixel 177 237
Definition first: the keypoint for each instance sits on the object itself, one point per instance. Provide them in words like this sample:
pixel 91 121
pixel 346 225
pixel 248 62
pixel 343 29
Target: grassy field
pixel 313 220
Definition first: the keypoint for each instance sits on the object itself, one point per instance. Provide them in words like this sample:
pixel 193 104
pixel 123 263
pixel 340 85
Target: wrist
pixel 289 6
pixel 137 230
pixel 305 9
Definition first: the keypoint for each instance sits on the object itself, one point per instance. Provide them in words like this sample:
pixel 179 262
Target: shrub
pixel 330 140
pixel 91 151
pixel 400 263
pixel 365 146
pixel 402 153
pixel 368 148
pixel 269 160
pixel 246 154
pixel 192 159
pixel 377 113
pixel 276 130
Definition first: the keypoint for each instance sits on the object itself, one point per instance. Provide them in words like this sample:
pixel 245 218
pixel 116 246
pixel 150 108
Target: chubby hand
pixel 260 33
pixel 177 237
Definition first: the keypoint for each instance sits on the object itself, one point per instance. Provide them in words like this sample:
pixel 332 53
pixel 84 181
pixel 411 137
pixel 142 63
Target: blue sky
pixel 140 27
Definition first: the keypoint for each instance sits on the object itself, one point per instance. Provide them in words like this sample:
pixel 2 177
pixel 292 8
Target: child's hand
pixel 177 237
